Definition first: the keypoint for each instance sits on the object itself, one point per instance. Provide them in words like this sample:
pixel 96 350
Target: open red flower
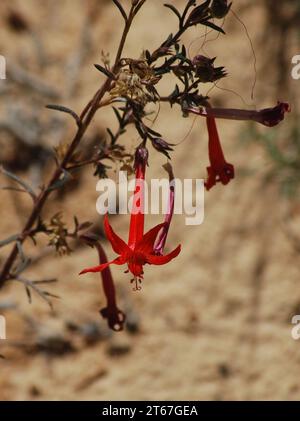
pixel 137 255
pixel 140 249
pixel 219 170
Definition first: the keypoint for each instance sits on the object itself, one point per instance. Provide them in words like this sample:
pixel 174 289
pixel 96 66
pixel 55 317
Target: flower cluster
pixel 131 86
pixel 134 84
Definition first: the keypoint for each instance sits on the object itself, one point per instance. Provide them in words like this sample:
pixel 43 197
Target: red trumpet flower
pixel 135 256
pixel 140 249
pixel 219 170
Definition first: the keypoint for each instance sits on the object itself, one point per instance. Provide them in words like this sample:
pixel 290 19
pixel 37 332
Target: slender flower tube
pixel 219 170
pixel 115 317
pixel 268 116
pixel 137 218
pixel 162 237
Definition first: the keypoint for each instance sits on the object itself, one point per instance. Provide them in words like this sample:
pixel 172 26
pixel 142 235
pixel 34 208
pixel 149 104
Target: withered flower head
pixel 128 85
pixel 270 117
pixel 133 82
pixel 58 234
pixel 143 70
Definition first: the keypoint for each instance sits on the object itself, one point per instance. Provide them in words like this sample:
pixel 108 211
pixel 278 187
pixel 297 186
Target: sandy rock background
pixel 215 323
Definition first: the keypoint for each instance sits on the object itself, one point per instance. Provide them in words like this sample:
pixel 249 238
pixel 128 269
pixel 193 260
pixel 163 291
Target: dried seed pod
pixel 205 69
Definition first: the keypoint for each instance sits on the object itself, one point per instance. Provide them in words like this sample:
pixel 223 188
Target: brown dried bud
pixel 220 8
pixel 205 70
pixel 162 146
pixel 199 14
pixel 203 61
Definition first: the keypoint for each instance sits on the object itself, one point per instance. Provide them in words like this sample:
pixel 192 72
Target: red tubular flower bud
pixel 219 170
pixel 141 157
pixel 115 317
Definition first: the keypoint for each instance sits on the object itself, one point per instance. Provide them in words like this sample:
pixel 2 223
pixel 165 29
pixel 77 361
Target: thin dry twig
pixel 18 180
pixel 34 286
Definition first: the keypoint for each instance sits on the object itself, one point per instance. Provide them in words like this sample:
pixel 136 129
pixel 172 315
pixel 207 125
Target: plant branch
pixel 85 119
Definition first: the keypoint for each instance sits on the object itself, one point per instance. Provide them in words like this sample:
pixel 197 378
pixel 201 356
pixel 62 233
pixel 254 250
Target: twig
pixel 22 183
pixel 85 118
pixel 33 285
pixel 122 11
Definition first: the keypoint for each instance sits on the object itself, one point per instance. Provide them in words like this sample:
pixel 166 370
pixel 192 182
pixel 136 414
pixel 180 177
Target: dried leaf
pixel 105 71
pixel 66 110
